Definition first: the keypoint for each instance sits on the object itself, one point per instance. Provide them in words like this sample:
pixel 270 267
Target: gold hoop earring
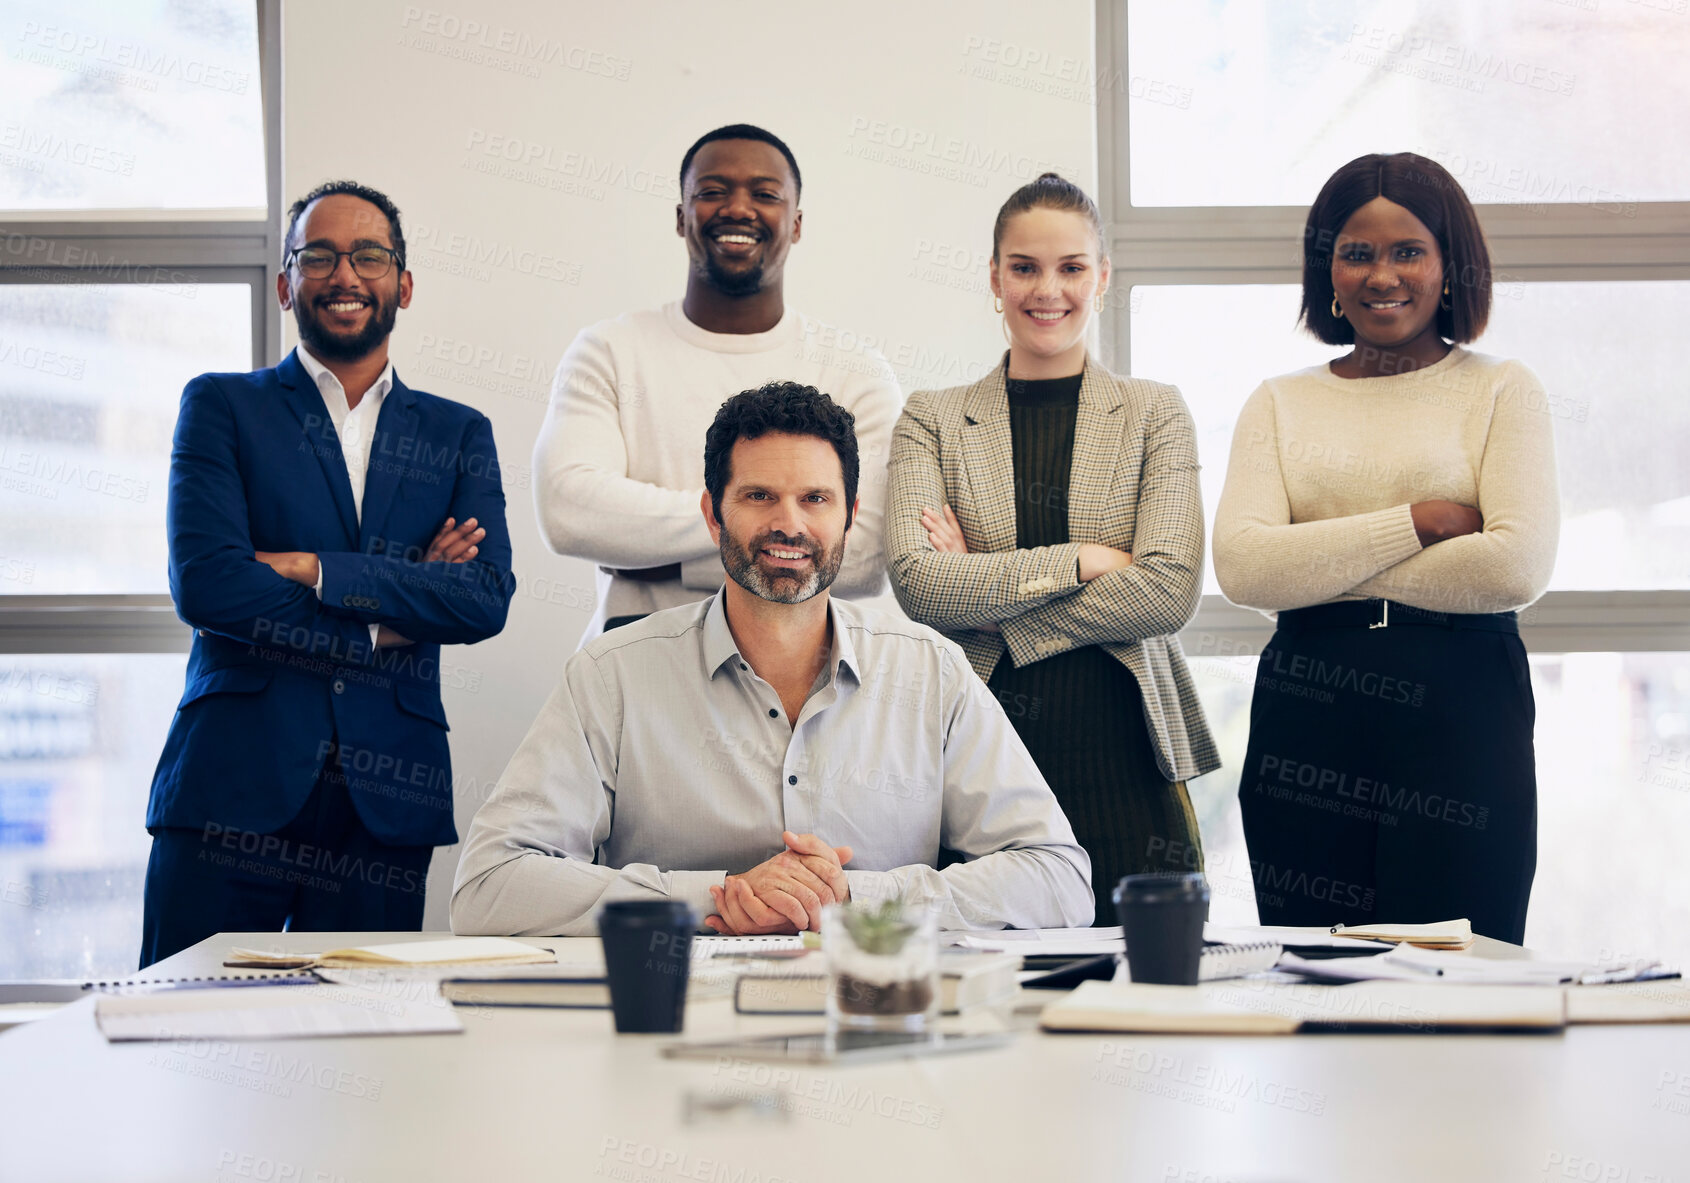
pixel 1337 312
pixel 1097 304
pixel 997 304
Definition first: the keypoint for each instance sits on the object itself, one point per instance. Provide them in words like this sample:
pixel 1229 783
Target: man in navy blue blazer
pixel 330 529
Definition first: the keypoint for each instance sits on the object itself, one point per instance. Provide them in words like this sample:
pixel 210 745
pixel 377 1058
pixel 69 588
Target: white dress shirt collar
pixel 328 384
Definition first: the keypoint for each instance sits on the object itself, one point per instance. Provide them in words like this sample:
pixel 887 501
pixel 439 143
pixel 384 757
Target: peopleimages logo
pixel 132 55
pixel 52 473
pixel 467 34
pixel 973 158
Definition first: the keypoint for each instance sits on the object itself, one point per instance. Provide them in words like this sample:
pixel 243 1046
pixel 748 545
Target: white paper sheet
pixel 272 1012
pixel 1043 942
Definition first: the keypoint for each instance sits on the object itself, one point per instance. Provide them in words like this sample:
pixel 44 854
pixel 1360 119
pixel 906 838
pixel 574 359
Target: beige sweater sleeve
pixel 1508 563
pixel 1262 559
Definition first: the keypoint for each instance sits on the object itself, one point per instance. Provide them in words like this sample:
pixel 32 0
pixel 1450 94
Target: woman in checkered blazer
pixel 1051 512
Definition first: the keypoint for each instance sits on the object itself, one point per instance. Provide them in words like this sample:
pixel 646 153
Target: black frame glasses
pixel 366 268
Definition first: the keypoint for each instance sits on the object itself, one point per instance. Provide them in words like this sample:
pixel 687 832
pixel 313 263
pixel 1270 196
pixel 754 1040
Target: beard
pixel 732 283
pixel 327 345
pixel 781 586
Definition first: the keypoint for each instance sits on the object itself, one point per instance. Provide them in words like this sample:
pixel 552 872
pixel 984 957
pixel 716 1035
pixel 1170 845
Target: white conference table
pixel 557 1095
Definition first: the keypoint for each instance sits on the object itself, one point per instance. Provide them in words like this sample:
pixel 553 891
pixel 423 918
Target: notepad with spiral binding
pixel 214 982
pixel 1218 962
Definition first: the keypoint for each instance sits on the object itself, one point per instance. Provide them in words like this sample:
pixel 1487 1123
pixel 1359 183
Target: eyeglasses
pixel 319 262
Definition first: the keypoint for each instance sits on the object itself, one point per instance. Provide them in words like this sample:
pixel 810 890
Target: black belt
pixel 1390 614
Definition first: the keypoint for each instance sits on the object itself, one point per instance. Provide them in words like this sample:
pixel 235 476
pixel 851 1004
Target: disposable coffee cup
pixel 1162 917
pixel 647 949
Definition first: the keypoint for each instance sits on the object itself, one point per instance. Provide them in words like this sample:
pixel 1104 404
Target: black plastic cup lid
pixel 1162 886
pixel 648 912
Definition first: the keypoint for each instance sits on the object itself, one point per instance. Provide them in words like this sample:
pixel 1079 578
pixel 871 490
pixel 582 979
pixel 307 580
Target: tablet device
pixel 845 1047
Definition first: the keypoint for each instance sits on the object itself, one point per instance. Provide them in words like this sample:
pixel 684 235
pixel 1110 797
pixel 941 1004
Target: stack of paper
pixel 1407 963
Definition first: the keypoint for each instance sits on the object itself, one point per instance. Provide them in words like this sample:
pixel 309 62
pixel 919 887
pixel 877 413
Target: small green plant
pixel 880 930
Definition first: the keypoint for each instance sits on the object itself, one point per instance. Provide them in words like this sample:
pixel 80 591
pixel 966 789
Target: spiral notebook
pixel 704 948
pixel 1219 962
pixel 209 982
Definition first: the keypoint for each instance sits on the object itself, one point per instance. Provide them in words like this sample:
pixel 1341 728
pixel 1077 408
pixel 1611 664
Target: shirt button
pixel 773 713
pixel 339 686
pixel 743 666
pixel 792 780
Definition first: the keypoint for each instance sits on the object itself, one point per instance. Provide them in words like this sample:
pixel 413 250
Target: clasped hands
pixel 454 542
pixel 783 894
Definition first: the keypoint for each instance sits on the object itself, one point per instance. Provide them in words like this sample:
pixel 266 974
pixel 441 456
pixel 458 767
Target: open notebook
pixel 406 954
pixel 1445 934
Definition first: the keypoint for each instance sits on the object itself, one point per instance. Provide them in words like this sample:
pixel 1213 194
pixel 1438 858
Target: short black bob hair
pixel 353 189
pixel 743 131
pixel 784 407
pixel 1425 189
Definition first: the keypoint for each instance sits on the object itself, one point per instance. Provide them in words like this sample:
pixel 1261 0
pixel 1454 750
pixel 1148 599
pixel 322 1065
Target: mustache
pixel 786 542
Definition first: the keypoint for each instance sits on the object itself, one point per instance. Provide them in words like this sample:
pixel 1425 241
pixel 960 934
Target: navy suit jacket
pixel 276 675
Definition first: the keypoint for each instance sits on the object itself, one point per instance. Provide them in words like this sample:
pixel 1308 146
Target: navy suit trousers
pixel 322 872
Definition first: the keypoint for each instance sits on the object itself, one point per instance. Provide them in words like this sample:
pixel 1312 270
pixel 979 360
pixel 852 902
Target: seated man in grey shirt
pixel 771 750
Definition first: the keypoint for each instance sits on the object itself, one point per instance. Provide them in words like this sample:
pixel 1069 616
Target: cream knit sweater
pixel 1324 470
pixel 619 462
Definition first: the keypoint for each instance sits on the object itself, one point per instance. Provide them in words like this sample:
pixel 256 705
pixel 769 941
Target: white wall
pixel 911 122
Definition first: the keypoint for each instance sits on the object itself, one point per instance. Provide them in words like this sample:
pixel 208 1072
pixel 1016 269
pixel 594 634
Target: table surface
pixel 556 1094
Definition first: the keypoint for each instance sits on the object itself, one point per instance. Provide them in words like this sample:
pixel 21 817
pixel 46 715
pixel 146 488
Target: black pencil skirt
pixel 1390 776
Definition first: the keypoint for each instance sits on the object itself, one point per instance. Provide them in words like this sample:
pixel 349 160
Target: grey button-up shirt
pixel 662 762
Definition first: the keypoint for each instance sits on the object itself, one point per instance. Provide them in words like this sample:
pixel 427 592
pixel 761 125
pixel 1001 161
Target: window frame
pixel 193 249
pixel 1258 245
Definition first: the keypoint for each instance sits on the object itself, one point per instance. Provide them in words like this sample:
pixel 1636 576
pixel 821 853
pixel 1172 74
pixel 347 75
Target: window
pixel 1524 101
pixel 90 375
pixel 138 169
pixel 1613 764
pixel 132 106
pixel 1625 494
pixel 1221 124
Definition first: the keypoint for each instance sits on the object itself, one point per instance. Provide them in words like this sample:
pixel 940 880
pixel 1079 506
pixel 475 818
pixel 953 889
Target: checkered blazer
pixel 1133 486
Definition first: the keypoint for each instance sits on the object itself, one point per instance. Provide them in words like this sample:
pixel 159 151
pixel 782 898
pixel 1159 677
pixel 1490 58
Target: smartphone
pixel 854 1047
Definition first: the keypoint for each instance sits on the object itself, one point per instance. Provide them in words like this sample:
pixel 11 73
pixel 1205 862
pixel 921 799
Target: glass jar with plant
pixel 883 965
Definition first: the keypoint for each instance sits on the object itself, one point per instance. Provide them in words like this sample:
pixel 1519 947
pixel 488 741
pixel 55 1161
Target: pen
pixel 1653 971
pixel 1435 971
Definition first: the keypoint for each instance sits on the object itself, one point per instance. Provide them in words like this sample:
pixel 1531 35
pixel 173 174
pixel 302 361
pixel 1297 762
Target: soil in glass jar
pixel 859 996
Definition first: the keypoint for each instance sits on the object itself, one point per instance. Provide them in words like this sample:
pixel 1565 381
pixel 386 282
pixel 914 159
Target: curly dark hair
pixel 352 188
pixel 784 407
pixel 1425 189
